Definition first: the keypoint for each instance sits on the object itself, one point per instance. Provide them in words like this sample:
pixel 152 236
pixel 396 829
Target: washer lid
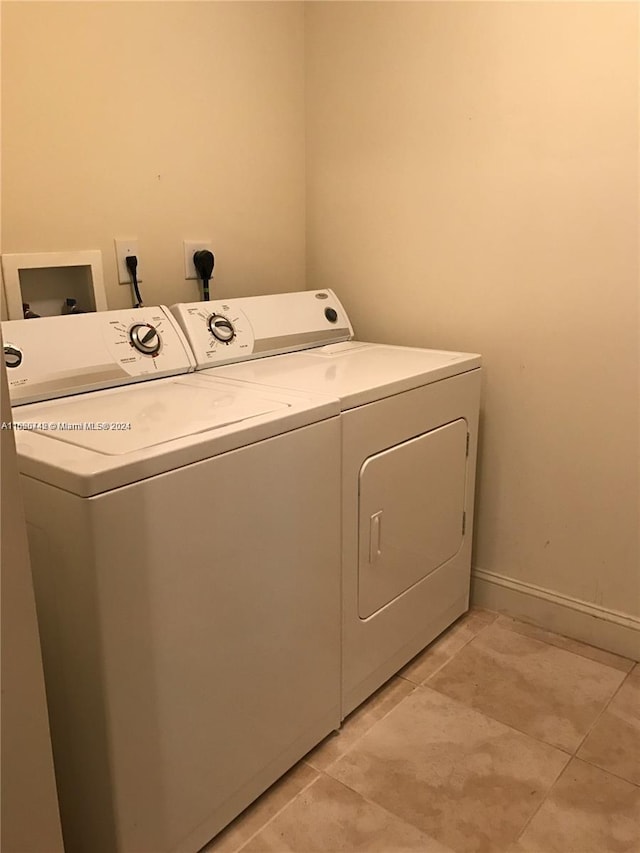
pixel 95 442
pixel 126 420
pixel 355 372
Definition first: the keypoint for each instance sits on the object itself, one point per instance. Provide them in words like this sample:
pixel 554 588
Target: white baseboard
pixel 608 629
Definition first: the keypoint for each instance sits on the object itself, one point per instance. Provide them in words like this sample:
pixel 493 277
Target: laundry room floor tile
pixel 327 817
pixel 588 811
pixel 442 649
pixel 614 742
pixel 466 780
pixel 467 761
pixel 566 643
pixel 537 688
pixel 262 810
pixel 359 722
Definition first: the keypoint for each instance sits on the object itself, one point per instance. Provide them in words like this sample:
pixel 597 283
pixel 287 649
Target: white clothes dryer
pixel 409 441
pixel 184 536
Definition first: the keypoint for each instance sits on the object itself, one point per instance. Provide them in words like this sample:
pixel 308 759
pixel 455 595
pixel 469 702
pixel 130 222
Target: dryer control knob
pixel 12 356
pixel 145 338
pixel 331 314
pixel 221 328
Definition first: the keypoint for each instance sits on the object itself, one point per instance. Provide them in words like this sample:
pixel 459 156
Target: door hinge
pixel 468 437
pixel 464 522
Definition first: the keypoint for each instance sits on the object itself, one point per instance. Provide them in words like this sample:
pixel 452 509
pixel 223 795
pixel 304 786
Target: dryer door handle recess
pixel 375 524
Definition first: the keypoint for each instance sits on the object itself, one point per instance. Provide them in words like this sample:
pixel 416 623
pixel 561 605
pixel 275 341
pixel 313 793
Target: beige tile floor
pixel 499 737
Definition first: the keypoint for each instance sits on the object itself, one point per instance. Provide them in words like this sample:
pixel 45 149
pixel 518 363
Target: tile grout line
pixel 528 734
pixel 544 799
pixel 404 698
pixel 569 757
pixel 499 722
pixel 477 710
pixel 571 639
pixel 464 646
pixel 322 772
pixel 414 687
pixel 562 772
pixel 279 811
pixel 376 805
pixel 488 716
pixel 606 771
pixel 359 738
pixel 600 715
pixel 447 662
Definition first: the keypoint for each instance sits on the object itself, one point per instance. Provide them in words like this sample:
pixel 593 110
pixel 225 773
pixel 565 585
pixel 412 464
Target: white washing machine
pixel 409 439
pixel 184 536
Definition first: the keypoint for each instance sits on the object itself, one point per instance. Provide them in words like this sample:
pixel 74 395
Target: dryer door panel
pixel 411 513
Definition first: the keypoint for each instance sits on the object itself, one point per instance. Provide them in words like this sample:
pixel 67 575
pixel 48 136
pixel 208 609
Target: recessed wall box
pixel 45 280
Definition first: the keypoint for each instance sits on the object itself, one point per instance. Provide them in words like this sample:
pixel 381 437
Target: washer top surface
pixel 102 440
pixel 124 421
pixel 355 372
pixel 107 399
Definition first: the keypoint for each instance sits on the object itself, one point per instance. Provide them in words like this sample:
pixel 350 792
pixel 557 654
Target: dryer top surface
pixel 355 372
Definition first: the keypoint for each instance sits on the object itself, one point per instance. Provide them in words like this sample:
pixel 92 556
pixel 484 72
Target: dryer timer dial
pixel 221 328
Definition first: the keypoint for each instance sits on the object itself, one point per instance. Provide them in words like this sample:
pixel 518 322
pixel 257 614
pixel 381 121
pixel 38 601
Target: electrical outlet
pixel 190 247
pixel 125 248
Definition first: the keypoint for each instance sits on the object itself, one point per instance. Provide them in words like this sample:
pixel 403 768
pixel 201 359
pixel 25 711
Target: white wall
pixel 471 180
pixel 161 120
pixel 29 817
pixel 473 184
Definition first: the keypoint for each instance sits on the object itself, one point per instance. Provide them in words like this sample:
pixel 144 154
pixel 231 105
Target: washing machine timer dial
pixel 12 355
pixel 145 338
pixel 221 328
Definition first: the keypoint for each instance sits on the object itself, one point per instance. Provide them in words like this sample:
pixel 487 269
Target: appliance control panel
pixel 225 331
pixel 219 332
pixel 63 355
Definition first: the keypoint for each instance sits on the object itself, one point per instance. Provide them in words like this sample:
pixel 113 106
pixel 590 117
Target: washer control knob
pixel 12 356
pixel 145 338
pixel 221 328
pixel 331 314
